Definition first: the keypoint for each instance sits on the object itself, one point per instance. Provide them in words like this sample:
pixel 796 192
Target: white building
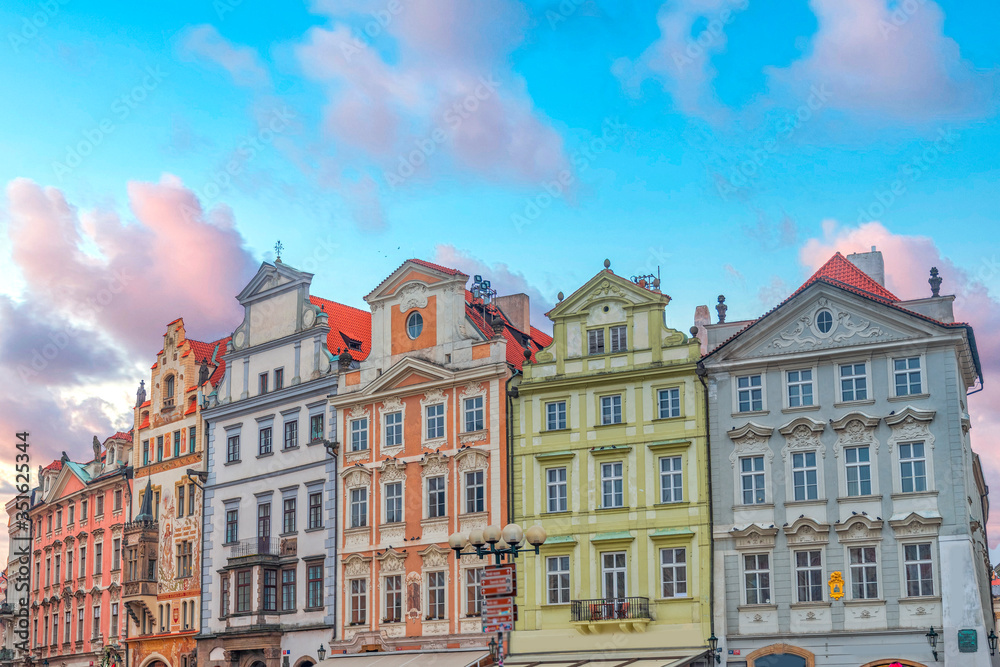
pixel 270 519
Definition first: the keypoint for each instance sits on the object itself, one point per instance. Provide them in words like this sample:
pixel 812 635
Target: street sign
pixel 499 580
pixel 498 614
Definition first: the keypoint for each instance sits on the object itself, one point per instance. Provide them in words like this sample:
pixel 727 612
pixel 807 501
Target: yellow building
pixel 610 457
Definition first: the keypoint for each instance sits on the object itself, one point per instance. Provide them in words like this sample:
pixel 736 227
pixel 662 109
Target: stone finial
pixel 140 394
pixel 722 308
pixel 935 282
pixel 694 331
pixel 560 296
pixel 607 264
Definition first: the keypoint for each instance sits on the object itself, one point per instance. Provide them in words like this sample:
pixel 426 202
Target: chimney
pixel 517 309
pixel 871 263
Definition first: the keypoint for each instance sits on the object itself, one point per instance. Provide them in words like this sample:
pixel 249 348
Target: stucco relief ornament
pixel 472 460
pixel 473 389
pixel 358 412
pixel 432 397
pixel 412 296
pixel 607 289
pixel 392 470
pixel 392 563
pixel 356 567
pixel 435 557
pixel 358 477
pixel 751 443
pixel 392 404
pixel 434 464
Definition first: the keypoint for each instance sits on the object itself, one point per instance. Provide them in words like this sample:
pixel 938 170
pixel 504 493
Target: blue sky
pixel 722 141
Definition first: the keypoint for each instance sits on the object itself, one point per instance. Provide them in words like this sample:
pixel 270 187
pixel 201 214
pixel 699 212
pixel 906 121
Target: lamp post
pixel 713 646
pixel 932 639
pixel 321 653
pixel 992 639
pixel 497 542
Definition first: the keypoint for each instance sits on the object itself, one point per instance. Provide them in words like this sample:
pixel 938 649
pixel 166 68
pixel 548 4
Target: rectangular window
pixel 58 570
pixel 557 576
pixel 474 420
pixel 224 597
pixel 270 590
pixel 393 599
pixel 232 526
pixel 159 448
pixel 473 591
pixel 853 382
pixel 858 467
pixel 669 402
pixel 180 501
pixel 359 508
pixel 435 497
pixel 359 601
pixel 809 576
pixel 315 510
pixel 750 393
pixel 72 514
pixel 671 479
pixel 757 578
pixel 279 378
pixel 919 569
pixel 864 573
pixel 69 561
pixel 804 476
pixel 243 579
pixel 99 504
pixel 475 492
pixel 906 373
pixel 264 521
pixel 673 573
pixel 619 339
pixel 288 589
pixel 184 556
pixel 114 621
pixel 611 409
pixel 359 434
pixel 68 625
pixel 145 452
pixel 83 561
pixel 393 429
pixel 752 479
pixel 315 590
pixel 435 421
pixel 316 427
pixel 556 490
pixel 291 434
pixel 555 415
pixel 118 503
pixel 595 341
pixel 116 556
pixel 232 448
pixel 612 485
pixel 912 467
pixel 264 441
pixel 614 574
pixel 262 383
pixel 394 502
pixel 435 595
pixel 192 436
pixel 98 557
pixel 800 388
pixel 288 515
pixel 191 499
pixel 177 444
pixel 79 624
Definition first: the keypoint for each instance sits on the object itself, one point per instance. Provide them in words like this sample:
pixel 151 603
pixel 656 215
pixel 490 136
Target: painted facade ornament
pixel 836 585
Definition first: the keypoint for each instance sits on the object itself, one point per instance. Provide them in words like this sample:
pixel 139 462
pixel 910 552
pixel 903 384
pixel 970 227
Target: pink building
pixel 78 514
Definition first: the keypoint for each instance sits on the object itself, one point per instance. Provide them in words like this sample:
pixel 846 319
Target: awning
pixel 603 660
pixel 452 658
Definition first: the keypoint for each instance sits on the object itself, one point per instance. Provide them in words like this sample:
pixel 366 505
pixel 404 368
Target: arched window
pixel 168 387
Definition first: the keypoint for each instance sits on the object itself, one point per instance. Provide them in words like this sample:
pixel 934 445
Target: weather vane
pixel 277 251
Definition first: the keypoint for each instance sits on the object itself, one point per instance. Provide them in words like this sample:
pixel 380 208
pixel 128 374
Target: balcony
pixel 139 588
pixel 629 614
pixel 149 530
pixel 256 548
pixel 6 655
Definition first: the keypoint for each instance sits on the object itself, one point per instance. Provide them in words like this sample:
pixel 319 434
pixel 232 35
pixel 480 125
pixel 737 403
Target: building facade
pixel 16 584
pixel 422 429
pixel 162 586
pixel 77 517
pixel 270 522
pixel 850 509
pixel 610 457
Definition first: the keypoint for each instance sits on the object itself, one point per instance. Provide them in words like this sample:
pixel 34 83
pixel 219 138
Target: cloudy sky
pixel 153 154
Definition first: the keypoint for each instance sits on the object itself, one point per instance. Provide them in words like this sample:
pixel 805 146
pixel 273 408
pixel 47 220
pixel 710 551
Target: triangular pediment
pixel 66 483
pixel 410 371
pixel 271 279
pixel 824 317
pixel 416 272
pixel 605 287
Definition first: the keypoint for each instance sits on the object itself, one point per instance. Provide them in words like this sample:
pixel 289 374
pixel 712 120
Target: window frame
pixel 615 477
pixel 800 384
pixel 804 470
pixel 392 597
pixel 359 434
pixel 858 465
pixel 756 572
pixel 921 376
pixel 561 576
pixel 762 387
pixel 923 460
pixel 397 499
pixel 813 574
pixel 618 338
pixel 673 401
pixel 675 567
pixel 551 486
pixel 358 503
pixel 839 382
pixel 437 506
pixel 905 563
pixel 864 567
pixel 437 420
pixel 673 474
pixel 396 425
pixel 475 492
pixel 596 343
pixel 742 474
pixel 611 408
pixel 437 585
pixel 560 424
pixel 471 423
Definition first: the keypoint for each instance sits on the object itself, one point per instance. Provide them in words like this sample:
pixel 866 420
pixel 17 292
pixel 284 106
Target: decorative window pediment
pixel 749 439
pixel 860 528
pixel 356 565
pixel 392 470
pixel 806 531
pixel 391 561
pixel 802 433
pixel 434 464
pixel 911 424
pixel 470 458
pixel 853 429
pixel 356 476
pixel 915 525
pixel 435 557
pixel 754 537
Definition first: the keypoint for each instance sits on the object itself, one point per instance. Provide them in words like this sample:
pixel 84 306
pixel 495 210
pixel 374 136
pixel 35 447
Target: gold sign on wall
pixel 836 585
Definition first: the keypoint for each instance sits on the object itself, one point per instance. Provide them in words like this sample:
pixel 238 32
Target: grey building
pixel 849 506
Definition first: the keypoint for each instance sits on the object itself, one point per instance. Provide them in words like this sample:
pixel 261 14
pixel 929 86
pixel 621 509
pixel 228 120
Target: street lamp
pixel 713 646
pixel 992 639
pixel 499 542
pixel 932 639
pixel 321 653
pixel 493 648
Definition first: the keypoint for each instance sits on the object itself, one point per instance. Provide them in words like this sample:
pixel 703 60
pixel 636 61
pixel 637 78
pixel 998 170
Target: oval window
pixel 414 325
pixel 824 321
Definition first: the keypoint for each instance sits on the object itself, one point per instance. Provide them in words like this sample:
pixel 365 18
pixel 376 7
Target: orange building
pixel 422 427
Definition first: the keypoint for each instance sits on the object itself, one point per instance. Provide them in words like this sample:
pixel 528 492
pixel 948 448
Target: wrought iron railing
pixel 6 654
pixel 256 546
pixel 614 609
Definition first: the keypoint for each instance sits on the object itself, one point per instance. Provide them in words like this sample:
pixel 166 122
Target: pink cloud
pixel 908 260
pixel 242 62
pixel 895 62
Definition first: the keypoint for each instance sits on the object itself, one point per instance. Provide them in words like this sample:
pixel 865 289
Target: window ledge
pixel 476 432
pixel 290 449
pixel 903 495
pixel 757 607
pixel 674 600
pixel 232 463
pixel 666 419
pixel 908 397
pixel 860 499
pixel 554 430
pixel 679 505
pixel 864 601
pixel 815 501
pixel 621 423
pixel 291 534
pixel 921 598
pixel 810 605
pixel 623 508
pixel 801 408
pixel 263 456
pixel 751 413
pixel 849 404
pixel 758 506
pixel 314 530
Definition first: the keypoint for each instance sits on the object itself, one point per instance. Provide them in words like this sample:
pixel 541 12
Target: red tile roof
pixel 146 404
pixel 212 354
pixel 839 269
pixel 535 339
pixel 346 323
pixel 438 267
pixel 121 435
pixel 543 338
pixel 55 465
